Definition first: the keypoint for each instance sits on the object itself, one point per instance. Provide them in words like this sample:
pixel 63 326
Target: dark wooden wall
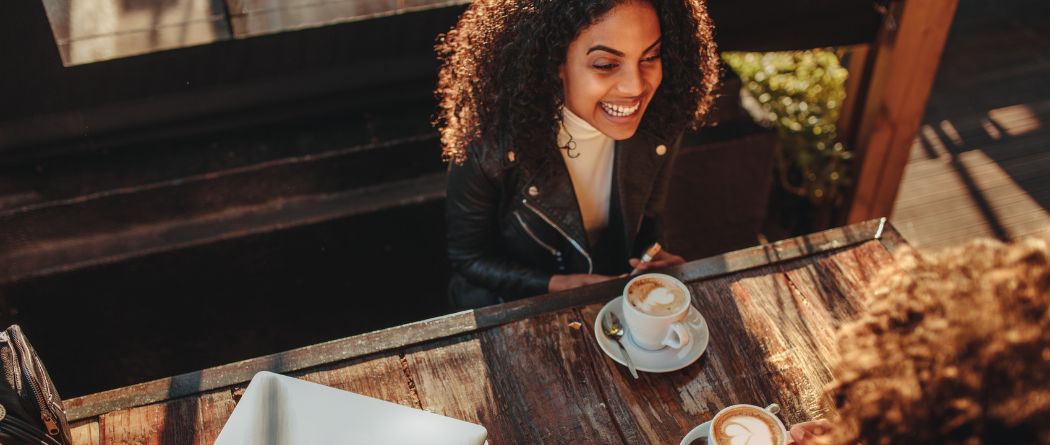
pixel 45 104
pixel 47 107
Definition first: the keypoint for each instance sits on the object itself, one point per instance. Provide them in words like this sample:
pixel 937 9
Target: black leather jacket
pixel 509 230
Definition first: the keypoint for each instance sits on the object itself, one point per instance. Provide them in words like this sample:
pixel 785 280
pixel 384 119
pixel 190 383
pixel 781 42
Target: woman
pixel 560 120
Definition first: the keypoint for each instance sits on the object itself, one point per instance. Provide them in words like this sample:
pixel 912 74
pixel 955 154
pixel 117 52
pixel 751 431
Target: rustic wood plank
pixel 213 412
pixel 453 324
pixel 994 189
pixel 383 377
pixel 269 21
pixel 762 351
pixel 108 17
pixel 649 409
pixel 85 432
pixel 108 29
pixel 453 379
pixel 789 338
pixel 776 325
pixel 281 363
pixel 859 76
pixel 892 239
pixel 940 178
pixel 784 250
pixel 840 280
pixel 857 267
pixel 544 382
pixel 256 18
pixel 765 315
pixel 718 265
pixel 64 255
pixel 189 420
pixel 825 286
pixel 905 67
pixel 133 43
pixel 238 7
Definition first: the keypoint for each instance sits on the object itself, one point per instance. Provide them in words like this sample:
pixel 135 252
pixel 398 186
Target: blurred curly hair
pixel 954 349
pixel 499 85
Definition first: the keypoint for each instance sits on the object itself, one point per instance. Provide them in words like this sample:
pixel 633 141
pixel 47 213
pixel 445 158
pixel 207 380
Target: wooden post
pixel 908 50
pixel 859 58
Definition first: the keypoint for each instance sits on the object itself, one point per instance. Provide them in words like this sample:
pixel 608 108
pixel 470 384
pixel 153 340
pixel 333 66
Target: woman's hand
pixel 811 433
pixel 662 259
pixel 566 282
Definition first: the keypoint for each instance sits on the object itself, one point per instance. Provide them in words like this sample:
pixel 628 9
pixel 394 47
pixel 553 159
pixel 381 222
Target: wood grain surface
pixel 543 381
pixel 85 432
pixel 400 337
pixel 541 377
pixel 772 340
pixel 452 379
pixel 191 420
pixel 382 377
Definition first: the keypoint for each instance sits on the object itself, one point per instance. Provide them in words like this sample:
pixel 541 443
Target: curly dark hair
pixel 954 349
pixel 499 84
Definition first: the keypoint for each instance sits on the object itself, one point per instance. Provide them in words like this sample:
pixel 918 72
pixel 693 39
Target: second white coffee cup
pixel 772 426
pixel 663 325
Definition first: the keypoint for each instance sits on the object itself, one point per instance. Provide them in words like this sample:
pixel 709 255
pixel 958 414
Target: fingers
pixel 662 259
pixel 635 263
pixel 798 434
pixel 669 258
pixel 819 426
pixel 654 265
pixel 808 433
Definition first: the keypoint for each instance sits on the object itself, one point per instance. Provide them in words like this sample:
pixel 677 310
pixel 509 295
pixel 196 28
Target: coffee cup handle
pixel 677 336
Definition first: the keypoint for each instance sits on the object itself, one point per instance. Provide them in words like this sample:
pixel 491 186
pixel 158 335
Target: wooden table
pixel 527 372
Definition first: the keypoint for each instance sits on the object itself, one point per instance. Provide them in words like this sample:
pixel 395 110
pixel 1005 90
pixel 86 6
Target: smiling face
pixel 613 68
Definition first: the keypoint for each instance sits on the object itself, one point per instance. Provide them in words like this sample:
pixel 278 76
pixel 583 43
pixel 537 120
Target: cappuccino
pixel 747 425
pixel 655 296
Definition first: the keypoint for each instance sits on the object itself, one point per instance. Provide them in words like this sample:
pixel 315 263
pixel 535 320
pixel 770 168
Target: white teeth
pixel 620 110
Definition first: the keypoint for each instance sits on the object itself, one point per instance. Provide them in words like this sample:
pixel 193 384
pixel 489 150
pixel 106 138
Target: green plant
pixel 800 94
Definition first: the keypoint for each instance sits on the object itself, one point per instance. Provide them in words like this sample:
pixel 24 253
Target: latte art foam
pixel 747 425
pixel 653 296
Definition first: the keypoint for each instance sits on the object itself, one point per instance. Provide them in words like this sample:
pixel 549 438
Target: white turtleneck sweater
pixel 591 171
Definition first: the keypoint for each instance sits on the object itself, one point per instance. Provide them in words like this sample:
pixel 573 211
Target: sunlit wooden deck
pixel 980 165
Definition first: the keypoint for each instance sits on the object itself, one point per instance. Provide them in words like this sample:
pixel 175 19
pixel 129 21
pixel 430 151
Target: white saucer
pixel 700 432
pixel 663 360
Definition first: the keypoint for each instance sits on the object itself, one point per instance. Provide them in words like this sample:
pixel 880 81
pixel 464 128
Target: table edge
pixel 357 346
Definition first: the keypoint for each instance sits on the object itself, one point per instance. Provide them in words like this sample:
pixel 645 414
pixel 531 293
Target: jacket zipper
pixel 36 388
pixel 590 264
pixel 14 355
pixel 21 429
pixel 534 237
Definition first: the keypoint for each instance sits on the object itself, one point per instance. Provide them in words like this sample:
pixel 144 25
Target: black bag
pixel 30 409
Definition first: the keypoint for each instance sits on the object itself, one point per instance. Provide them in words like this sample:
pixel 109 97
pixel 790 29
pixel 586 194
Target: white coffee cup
pixel 665 326
pixel 707 429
